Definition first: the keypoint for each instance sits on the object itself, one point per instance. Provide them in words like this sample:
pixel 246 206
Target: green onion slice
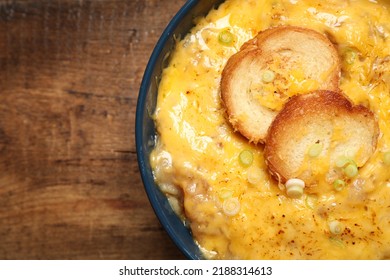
pixel 339 185
pixel 268 76
pixel 254 175
pixel 351 170
pixel 311 201
pixel 295 191
pixel 246 158
pixel 226 38
pixel 315 150
pixel 336 227
pixel 231 206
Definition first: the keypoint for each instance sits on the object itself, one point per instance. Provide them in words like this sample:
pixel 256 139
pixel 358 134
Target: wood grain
pixel 70 72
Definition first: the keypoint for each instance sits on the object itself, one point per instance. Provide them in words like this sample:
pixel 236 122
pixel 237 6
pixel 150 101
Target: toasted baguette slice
pixel 313 132
pixel 277 64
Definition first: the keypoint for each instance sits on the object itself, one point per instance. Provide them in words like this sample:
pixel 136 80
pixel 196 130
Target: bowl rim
pixel 141 104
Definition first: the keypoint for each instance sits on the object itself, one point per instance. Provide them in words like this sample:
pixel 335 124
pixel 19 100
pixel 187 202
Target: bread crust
pixel 316 118
pixel 283 49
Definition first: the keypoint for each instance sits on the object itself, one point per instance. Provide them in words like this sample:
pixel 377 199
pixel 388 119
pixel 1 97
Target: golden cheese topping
pixel 234 208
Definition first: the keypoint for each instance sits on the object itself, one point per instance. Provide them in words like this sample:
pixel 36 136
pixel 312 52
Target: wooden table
pixel 70 72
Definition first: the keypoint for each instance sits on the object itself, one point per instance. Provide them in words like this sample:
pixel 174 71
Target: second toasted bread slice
pixel 314 132
pixel 277 64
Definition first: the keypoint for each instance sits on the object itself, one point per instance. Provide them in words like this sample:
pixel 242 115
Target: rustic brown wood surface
pixel 70 72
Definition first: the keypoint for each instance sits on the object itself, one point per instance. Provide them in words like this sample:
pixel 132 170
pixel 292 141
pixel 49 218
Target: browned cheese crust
pixel 326 118
pixel 251 103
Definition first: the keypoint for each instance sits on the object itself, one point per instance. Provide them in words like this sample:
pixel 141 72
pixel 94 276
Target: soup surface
pixel 219 183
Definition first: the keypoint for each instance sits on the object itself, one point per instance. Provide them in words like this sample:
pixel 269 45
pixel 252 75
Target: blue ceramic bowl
pixel 145 129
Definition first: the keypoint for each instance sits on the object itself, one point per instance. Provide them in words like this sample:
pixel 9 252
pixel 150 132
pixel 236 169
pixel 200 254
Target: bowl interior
pixel 145 128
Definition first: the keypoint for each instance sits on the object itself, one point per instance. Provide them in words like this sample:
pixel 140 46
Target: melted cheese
pixel 196 159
